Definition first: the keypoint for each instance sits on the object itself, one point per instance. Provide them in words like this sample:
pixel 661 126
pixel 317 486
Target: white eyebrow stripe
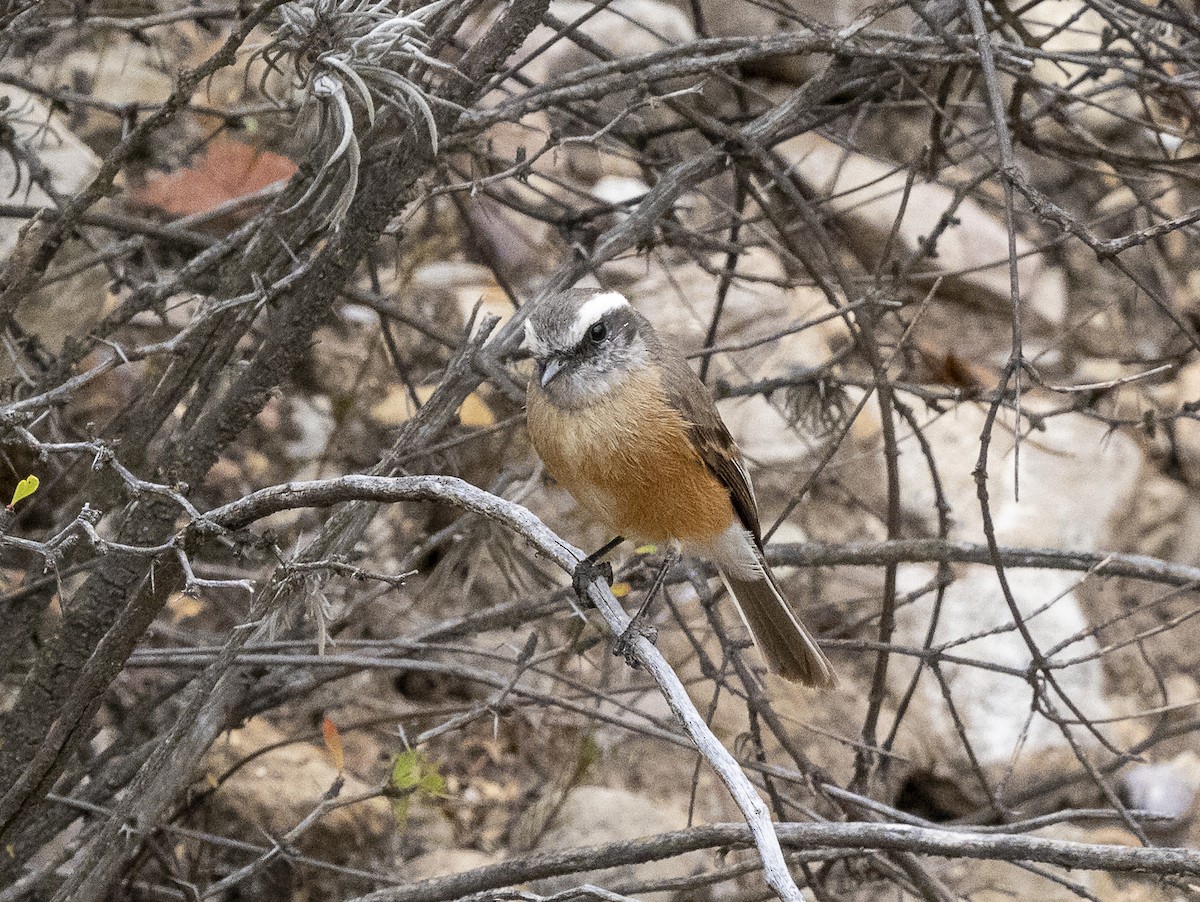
pixel 592 310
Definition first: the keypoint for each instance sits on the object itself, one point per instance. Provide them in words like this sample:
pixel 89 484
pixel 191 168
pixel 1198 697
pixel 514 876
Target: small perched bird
pixel 623 423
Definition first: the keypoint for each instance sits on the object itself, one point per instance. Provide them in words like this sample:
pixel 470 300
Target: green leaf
pixel 413 774
pixel 432 784
pixel 404 770
pixel 25 488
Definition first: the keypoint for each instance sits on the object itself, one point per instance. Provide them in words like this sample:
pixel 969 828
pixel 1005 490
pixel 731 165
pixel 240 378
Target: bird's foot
pixel 592 567
pixel 623 647
pixel 587 572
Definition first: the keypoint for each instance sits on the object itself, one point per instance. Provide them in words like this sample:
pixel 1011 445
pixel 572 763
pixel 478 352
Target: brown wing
pixel 717 449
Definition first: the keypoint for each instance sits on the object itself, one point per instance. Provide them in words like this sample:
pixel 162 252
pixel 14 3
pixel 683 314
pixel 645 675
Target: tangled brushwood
pixel 286 596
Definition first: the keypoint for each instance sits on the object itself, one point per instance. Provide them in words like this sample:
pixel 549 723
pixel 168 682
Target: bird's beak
pixel 552 368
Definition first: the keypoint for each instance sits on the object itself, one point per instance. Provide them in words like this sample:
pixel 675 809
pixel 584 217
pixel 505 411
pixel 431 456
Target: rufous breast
pixel 628 461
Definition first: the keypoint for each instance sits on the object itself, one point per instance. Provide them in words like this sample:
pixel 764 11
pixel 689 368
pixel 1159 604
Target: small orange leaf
pixel 333 744
pixel 620 590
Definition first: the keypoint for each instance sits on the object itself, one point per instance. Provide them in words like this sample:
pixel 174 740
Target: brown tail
pixel 787 646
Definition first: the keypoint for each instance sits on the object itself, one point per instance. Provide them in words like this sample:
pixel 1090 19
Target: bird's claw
pixel 586 573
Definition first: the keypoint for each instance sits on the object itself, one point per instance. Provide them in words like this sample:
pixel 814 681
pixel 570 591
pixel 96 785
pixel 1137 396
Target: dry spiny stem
pixel 349 55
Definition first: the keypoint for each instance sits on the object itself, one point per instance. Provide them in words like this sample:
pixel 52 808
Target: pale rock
pixel 1187 430
pixel 1187 764
pixel 312 419
pixel 464 286
pixel 178 310
pixel 622 194
pixel 1060 470
pixel 999 881
pixel 443 862
pixel 592 815
pixel 1119 201
pixel 619 189
pixel 1183 690
pixel 993 707
pixel 766 431
pixel 1073 27
pixel 357 315
pixel 278 789
pixel 123 70
pixel 71 163
pixel 746 18
pixel 1091 370
pixel 483 300
pixel 1164 791
pixel 763 432
pixel 624 28
pixel 128 69
pixel 1130 401
pixel 1074 479
pixel 441 275
pixel 74 304
pixel 679 299
pixel 867 195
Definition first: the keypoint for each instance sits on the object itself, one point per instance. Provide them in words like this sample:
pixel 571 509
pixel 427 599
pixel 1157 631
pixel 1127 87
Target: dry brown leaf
pixel 226 170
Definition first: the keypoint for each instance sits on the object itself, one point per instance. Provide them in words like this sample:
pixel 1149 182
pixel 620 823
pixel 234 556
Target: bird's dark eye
pixel 598 332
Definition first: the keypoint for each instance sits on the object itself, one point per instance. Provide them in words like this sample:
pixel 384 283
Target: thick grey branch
pixel 858 836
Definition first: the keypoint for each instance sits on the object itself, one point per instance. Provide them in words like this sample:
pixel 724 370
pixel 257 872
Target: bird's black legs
pixel 638 625
pixel 669 560
pixel 592 566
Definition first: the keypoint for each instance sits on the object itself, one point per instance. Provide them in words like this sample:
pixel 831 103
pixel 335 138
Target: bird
pixel 624 424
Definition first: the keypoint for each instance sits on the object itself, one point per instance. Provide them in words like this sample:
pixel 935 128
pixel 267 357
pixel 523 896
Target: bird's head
pixel 586 342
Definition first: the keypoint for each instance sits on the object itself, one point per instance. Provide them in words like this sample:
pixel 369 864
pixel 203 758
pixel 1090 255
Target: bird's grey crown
pixel 559 323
